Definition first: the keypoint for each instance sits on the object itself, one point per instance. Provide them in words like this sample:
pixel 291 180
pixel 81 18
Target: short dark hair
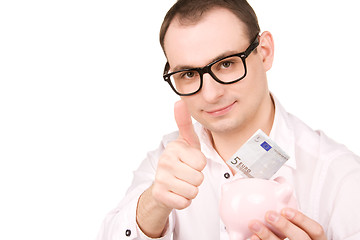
pixel 191 11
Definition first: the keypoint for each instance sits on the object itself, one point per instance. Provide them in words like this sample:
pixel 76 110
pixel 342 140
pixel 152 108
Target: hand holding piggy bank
pixel 243 200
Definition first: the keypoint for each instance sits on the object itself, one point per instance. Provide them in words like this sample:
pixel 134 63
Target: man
pixel 217 63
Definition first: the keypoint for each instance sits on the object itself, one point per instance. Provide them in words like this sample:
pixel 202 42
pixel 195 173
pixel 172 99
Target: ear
pixel 266 49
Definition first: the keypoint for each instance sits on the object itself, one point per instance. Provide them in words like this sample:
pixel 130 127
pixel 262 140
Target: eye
pixel 226 64
pixel 188 75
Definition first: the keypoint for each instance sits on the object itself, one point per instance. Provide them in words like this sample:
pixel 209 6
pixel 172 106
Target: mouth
pixel 221 111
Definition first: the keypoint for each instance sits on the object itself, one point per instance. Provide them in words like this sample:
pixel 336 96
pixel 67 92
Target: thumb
pixel 184 123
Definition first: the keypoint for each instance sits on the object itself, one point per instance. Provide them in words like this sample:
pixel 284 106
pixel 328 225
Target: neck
pixel 226 144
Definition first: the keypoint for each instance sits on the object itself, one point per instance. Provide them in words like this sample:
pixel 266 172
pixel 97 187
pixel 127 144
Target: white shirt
pixel 324 174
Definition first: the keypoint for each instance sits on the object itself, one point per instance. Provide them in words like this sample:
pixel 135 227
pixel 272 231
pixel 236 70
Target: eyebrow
pixel 225 54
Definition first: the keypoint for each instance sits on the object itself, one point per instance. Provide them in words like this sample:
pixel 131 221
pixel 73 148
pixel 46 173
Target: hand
pixel 179 169
pixel 291 223
pixel 177 178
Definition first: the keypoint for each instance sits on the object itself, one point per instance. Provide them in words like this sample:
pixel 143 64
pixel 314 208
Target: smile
pixel 221 111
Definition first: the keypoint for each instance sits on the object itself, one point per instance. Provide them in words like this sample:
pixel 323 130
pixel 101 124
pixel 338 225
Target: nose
pixel 211 89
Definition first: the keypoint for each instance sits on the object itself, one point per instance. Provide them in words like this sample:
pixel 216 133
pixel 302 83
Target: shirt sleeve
pixel 121 223
pixel 345 221
pixel 343 211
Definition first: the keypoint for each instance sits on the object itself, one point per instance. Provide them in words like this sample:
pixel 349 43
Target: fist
pixel 179 175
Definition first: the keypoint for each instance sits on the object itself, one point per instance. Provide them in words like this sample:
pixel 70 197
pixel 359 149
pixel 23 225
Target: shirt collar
pixel 207 144
pixel 281 132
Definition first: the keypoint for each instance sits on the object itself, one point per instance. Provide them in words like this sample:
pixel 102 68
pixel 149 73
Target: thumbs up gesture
pixel 179 169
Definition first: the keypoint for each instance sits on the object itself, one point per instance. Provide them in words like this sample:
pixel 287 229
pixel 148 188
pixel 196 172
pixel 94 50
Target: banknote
pixel 259 157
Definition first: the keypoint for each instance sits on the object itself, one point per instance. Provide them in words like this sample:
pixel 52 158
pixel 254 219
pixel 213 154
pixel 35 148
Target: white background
pixel 82 99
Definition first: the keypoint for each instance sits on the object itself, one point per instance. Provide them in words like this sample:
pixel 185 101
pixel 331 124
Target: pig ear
pixel 284 192
pixel 280 180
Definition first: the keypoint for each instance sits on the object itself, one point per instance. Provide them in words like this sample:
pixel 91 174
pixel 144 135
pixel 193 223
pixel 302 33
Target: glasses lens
pixel 186 82
pixel 229 69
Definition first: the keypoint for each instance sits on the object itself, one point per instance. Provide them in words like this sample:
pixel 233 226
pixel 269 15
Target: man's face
pixel 218 107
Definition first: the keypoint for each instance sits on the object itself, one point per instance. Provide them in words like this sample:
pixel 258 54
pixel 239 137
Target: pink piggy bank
pixel 246 199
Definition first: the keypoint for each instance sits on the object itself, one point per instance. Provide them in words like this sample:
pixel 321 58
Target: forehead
pixel 217 32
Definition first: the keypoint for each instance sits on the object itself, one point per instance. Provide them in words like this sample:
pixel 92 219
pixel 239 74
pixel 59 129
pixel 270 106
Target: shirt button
pixel 226 175
pixel 128 233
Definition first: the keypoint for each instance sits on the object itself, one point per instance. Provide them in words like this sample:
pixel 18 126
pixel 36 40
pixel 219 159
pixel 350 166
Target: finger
pixel 166 183
pixel 193 158
pixel 254 237
pixel 179 151
pixel 261 231
pixel 283 227
pixel 184 123
pixel 169 199
pixel 188 174
pixel 171 183
pixel 311 227
pixel 178 202
pixel 183 189
pixel 181 183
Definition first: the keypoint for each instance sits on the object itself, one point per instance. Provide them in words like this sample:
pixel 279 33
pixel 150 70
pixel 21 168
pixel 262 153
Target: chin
pixel 221 127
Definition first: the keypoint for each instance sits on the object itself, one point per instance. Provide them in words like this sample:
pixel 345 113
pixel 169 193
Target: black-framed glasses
pixel 226 70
